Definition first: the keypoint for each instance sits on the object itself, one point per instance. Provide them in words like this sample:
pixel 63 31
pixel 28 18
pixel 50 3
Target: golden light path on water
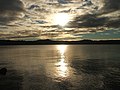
pixel 62 68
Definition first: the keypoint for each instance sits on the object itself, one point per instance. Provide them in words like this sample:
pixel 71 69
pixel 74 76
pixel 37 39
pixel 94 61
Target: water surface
pixel 60 67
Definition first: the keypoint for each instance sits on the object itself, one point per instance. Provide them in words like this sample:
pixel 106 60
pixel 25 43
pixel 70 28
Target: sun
pixel 61 19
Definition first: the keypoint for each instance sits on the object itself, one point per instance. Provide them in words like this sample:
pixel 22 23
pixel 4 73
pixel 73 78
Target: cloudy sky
pixel 59 19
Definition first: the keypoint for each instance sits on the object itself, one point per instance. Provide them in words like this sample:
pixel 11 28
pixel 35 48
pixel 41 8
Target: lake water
pixel 60 67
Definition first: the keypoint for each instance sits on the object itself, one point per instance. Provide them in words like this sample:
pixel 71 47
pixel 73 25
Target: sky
pixel 60 20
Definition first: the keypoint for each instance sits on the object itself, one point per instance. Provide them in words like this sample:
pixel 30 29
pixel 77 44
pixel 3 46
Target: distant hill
pixel 50 42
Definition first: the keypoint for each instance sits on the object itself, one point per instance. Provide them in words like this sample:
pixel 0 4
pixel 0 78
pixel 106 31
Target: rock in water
pixel 3 71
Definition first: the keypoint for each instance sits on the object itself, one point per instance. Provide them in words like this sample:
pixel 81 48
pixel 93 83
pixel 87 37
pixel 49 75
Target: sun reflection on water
pixel 62 69
pixel 62 49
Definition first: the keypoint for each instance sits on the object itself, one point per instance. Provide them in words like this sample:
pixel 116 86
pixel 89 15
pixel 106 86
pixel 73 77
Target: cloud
pixel 107 4
pixel 33 7
pixel 88 20
pixel 9 9
pixel 112 4
pixel 94 20
pixel 11 5
pixel 107 16
pixel 114 23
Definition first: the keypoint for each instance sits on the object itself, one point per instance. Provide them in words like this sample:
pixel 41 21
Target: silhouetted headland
pixel 50 42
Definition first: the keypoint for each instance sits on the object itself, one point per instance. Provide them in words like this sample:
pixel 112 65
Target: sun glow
pixel 61 19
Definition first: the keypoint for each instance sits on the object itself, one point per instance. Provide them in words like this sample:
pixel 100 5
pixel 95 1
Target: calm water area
pixel 60 67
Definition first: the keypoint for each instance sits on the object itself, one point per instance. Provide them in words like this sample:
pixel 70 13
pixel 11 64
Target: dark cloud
pixel 33 7
pixel 94 20
pixel 88 20
pixel 99 19
pixel 113 23
pixel 112 4
pixel 11 5
pixel 4 20
pixel 9 9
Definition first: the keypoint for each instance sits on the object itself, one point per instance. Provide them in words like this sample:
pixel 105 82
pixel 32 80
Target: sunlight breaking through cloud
pixel 81 18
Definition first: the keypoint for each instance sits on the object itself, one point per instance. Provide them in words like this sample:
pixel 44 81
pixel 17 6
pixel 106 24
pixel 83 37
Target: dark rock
pixel 3 71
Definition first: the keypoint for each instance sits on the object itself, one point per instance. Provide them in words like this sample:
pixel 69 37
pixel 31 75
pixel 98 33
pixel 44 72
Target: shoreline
pixel 50 42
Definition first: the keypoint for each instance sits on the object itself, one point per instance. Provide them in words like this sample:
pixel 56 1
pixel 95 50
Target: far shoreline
pixel 50 42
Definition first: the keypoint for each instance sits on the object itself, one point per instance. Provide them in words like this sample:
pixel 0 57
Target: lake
pixel 60 67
